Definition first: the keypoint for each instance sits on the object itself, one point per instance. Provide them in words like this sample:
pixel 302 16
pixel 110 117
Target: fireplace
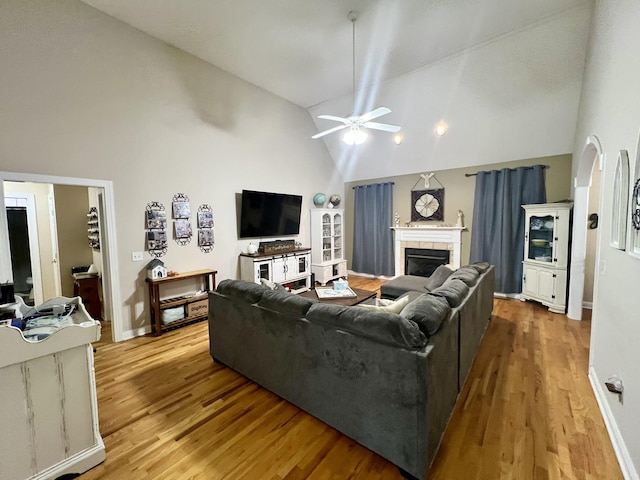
pixel 424 261
pixel 427 237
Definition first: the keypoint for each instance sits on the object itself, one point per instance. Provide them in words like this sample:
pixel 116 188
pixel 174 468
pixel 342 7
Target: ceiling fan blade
pixel 378 112
pixel 333 117
pixel 382 126
pixel 331 130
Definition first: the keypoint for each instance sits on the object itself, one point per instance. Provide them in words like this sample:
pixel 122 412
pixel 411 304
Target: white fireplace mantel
pixel 444 238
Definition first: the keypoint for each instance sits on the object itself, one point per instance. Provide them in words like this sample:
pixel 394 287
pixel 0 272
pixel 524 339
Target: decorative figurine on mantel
pixel 460 222
pixel 396 219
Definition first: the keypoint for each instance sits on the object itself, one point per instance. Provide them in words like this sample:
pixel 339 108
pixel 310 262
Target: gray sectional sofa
pixel 387 380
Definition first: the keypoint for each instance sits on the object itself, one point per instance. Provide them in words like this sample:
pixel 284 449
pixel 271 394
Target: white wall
pixel 72 206
pixel 513 98
pixel 592 235
pixel 610 110
pixel 84 95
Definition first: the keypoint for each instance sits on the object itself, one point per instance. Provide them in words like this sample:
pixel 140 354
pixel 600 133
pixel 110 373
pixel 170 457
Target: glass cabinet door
pixel 541 238
pixel 326 237
pixel 337 236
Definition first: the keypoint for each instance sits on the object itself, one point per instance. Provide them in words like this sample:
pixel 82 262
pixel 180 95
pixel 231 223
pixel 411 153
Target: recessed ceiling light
pixel 441 129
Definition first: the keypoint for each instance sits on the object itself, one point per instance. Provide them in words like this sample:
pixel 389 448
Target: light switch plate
pixel 136 256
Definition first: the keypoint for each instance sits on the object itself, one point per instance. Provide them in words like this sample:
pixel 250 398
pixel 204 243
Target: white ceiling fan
pixel 357 123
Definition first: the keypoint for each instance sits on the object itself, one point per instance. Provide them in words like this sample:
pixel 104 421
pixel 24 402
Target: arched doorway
pixel 591 159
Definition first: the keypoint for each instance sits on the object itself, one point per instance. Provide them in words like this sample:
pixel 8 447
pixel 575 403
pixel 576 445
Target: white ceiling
pixel 301 50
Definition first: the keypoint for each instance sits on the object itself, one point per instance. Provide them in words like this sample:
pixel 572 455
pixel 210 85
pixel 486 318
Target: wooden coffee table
pixel 361 296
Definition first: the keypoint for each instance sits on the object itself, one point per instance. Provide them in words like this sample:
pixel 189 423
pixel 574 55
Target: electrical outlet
pixel 603 267
pixel 136 256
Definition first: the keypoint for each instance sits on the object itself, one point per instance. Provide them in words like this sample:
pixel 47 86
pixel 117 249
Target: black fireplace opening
pixel 424 261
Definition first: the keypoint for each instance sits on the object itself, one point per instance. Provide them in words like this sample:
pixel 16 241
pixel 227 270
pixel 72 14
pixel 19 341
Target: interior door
pixel 24 246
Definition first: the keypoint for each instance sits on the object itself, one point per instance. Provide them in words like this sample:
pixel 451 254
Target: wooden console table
pixel 196 306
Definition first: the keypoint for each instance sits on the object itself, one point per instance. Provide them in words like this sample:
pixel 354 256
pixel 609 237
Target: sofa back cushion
pixel 481 267
pixel 453 290
pixel 384 327
pixel 242 290
pixel 283 301
pixel 428 312
pixel 438 277
pixel 467 274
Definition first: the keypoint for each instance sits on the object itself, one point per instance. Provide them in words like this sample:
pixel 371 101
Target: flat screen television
pixel 266 214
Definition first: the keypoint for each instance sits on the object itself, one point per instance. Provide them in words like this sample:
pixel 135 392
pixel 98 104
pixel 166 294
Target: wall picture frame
pixel 205 219
pixel 205 237
pixel 620 202
pixel 633 214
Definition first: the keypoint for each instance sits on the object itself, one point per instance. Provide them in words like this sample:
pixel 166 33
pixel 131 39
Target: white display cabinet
pixel 49 413
pixel 290 269
pixel 327 244
pixel 547 240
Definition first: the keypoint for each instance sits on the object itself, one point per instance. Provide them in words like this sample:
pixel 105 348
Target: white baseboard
pixel 587 305
pixel 139 332
pixel 506 295
pixel 622 453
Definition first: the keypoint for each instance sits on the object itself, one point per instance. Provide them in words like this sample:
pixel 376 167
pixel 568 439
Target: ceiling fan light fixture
pixel 398 138
pixel 354 136
pixel 357 124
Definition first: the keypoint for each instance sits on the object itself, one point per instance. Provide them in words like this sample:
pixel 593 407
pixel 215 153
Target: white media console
pixel 291 269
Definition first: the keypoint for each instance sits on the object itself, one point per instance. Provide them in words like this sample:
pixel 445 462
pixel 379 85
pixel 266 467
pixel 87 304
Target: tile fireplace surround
pixel 438 238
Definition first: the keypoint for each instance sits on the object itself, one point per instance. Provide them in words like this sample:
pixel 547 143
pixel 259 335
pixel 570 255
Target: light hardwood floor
pixel 527 411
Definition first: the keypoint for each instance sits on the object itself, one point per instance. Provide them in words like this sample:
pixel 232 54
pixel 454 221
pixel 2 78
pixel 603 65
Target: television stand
pixel 291 269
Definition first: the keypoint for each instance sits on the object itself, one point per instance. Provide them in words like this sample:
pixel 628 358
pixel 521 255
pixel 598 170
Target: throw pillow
pixel 454 291
pixel 428 311
pixel 270 285
pixel 438 277
pixel 390 306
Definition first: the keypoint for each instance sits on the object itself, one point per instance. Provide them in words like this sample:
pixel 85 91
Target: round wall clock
pixel 635 206
pixel 427 205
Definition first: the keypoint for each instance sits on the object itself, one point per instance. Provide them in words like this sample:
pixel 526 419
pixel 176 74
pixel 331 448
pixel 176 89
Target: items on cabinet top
pixel 38 323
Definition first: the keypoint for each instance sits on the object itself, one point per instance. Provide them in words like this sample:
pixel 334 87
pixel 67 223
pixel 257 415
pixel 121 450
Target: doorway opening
pixel 108 248
pixel 591 156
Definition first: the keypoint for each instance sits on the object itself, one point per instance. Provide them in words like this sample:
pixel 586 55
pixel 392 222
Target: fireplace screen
pixel 424 261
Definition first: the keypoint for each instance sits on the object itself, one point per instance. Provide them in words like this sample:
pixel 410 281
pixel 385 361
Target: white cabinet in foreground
pixel 49 413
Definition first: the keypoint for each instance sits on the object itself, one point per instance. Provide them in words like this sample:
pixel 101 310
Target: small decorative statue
pixel 460 222
pixel 396 219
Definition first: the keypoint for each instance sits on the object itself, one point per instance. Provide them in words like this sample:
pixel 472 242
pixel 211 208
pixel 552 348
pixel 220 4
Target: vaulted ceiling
pixel 301 50
pixel 478 64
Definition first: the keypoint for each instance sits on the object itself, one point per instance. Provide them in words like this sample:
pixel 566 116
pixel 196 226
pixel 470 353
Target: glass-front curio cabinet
pixel 547 241
pixel 327 244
